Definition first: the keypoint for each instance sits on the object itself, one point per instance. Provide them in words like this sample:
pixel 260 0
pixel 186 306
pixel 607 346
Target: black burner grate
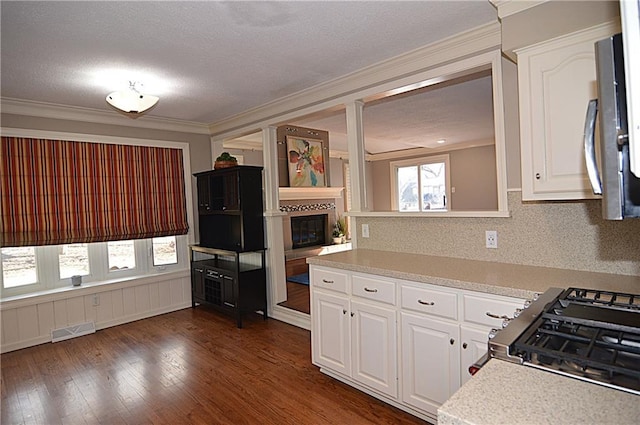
pixel 589 334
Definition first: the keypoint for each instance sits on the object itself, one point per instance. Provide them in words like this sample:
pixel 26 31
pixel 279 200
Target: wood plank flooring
pixel 297 297
pixel 192 366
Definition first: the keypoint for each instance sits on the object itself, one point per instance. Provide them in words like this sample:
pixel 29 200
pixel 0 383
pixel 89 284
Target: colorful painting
pixel 306 162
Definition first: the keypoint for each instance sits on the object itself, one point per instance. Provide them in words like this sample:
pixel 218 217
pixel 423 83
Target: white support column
pixel 355 143
pixel 217 147
pixel 276 273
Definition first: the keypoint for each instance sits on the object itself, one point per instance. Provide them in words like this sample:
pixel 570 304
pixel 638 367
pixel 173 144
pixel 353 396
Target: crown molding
pixel 465 44
pixel 72 113
pixel 511 7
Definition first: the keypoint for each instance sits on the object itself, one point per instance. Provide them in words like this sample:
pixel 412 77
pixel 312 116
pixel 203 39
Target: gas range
pixel 581 333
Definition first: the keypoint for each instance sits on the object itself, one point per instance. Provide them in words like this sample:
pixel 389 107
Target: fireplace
pixel 308 230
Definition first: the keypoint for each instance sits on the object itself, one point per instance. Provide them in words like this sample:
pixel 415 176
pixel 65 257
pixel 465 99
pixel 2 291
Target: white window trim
pixel 47 267
pixel 393 169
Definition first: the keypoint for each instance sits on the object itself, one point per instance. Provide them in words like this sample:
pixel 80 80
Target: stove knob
pixel 517 312
pixel 505 323
pixel 493 333
pixel 527 303
pixel 536 296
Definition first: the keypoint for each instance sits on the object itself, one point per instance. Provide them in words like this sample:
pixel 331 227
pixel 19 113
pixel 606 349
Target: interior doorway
pixel 297 275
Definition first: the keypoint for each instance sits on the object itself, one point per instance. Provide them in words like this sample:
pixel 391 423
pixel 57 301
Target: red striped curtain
pixel 59 192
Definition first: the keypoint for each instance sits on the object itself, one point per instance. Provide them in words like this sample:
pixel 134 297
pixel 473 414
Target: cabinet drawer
pixel 439 303
pixel 374 289
pixel 478 309
pixel 329 279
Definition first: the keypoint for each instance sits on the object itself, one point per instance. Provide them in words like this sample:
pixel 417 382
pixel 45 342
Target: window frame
pixel 418 162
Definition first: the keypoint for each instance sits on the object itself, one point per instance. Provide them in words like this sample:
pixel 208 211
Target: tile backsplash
pixel 570 235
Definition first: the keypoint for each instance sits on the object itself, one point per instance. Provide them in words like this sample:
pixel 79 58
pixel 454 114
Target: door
pixel 374 349
pixel 474 342
pixel 430 361
pixel 330 343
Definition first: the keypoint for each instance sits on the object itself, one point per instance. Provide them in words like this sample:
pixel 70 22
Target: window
pixel 121 255
pixel 164 251
pixel 73 260
pixel 421 184
pixel 30 269
pixel 19 266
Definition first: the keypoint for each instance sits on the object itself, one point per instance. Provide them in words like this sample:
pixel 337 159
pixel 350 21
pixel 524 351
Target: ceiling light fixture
pixel 441 141
pixel 131 100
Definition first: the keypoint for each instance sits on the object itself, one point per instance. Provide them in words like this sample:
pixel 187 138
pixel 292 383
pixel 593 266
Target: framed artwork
pixel 306 162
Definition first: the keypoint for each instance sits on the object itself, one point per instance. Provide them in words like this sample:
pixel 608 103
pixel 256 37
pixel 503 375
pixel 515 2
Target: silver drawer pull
pixel 426 302
pixel 495 316
pixel 327 281
pixel 370 290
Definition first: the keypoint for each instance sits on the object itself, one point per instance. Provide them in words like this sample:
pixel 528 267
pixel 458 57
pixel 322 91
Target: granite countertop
pixel 509 393
pixel 510 280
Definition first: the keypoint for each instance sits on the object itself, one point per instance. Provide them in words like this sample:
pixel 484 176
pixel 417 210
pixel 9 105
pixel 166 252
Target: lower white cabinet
pixel 413 353
pixel 355 337
pixel 430 361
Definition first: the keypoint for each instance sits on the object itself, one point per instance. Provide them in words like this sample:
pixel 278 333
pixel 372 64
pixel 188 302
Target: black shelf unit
pixel 228 266
pixel 230 281
pixel 230 209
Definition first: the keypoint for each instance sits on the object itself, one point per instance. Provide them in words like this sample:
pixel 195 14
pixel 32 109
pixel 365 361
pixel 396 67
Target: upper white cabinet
pixel 556 80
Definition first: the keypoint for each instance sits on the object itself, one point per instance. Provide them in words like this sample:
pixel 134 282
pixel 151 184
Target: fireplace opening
pixel 308 230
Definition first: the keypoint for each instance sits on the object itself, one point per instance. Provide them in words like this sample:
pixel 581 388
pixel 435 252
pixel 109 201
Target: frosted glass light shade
pixel 131 101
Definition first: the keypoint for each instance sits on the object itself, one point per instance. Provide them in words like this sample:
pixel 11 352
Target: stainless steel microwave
pixel 613 179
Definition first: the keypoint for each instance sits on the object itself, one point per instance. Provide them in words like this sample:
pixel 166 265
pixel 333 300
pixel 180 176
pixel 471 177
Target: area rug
pixel 299 278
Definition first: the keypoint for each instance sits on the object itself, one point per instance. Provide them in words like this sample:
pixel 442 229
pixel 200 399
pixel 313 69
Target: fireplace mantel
pixel 297 193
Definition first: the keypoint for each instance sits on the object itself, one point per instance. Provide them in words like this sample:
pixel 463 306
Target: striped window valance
pixel 59 192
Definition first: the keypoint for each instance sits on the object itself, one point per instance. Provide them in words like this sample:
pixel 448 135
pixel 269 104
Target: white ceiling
pixel 211 60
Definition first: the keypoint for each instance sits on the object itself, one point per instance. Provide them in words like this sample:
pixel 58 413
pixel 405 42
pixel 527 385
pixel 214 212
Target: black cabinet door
pixel 197 283
pixel 204 198
pixel 228 291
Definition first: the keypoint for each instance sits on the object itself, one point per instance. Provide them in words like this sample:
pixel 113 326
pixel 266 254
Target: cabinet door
pixel 556 80
pixel 197 283
pixel 204 206
pixel 374 347
pixel 474 345
pixel 330 332
pixel 430 361
pixel 228 291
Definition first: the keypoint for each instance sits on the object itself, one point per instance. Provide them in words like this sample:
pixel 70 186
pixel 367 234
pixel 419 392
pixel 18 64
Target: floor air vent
pixel 72 331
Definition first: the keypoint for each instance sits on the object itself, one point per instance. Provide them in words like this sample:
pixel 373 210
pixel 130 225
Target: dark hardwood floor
pixel 297 297
pixel 297 293
pixel 192 366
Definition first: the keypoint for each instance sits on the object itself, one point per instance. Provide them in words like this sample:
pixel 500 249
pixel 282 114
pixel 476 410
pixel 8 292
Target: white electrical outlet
pixel 365 230
pixel 96 299
pixel 491 238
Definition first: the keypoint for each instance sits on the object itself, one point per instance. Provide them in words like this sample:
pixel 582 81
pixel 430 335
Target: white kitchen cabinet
pixel 415 363
pixel 374 347
pixel 353 336
pixel 331 332
pixel 556 80
pixel 430 361
pixel 473 343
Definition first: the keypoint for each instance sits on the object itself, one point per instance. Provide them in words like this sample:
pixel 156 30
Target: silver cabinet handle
pixel 464 345
pixel 495 316
pixel 199 270
pixel 590 147
pixel 370 290
pixel 352 314
pixel 327 281
pixel 344 311
pixel 426 302
pixel 452 341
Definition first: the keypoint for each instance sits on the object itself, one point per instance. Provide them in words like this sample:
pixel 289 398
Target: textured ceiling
pixel 209 60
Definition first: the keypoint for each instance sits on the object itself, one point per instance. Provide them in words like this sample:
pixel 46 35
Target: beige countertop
pixel 511 280
pixel 508 393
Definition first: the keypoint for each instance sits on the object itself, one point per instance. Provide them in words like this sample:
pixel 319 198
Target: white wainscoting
pixel 28 321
